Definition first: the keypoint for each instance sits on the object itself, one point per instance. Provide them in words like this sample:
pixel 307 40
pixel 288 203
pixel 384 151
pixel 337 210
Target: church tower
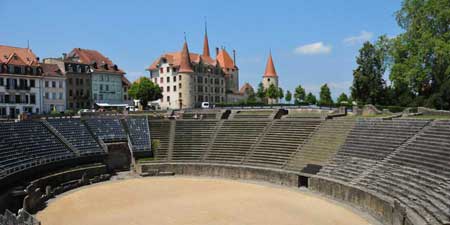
pixel 270 77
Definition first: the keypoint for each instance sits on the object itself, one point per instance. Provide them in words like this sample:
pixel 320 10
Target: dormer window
pixel 164 60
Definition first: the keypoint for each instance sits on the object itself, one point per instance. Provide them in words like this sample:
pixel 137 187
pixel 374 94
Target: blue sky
pixel 312 42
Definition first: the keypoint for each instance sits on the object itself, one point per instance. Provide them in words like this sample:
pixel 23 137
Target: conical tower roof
pixel 270 68
pixel 185 61
pixel 206 45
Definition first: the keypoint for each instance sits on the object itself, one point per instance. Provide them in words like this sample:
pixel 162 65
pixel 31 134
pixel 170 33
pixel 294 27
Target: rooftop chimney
pixel 217 51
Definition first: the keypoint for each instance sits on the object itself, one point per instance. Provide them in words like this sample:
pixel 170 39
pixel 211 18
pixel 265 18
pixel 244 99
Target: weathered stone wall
pixel 387 211
pixel 119 156
pixel 40 190
pixel 225 171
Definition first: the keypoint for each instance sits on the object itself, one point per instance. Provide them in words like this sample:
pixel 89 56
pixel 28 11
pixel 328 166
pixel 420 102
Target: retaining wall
pixel 385 210
pixel 279 177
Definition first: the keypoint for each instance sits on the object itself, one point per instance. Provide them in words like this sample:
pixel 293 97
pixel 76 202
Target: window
pixel 168 98
pixel 32 83
pixel 206 80
pixel 168 79
pixel 77 93
pixel 33 99
pixel 161 70
pixel 2 81
pixel 81 81
pixel 107 87
pixel 70 92
pixel 54 95
pixel 46 84
pixel 17 69
pixel 174 78
pixel 60 84
pixel 179 94
pixel 60 95
pixel 174 87
pixel 53 84
pixel 168 69
pixel 161 80
pixel 211 81
pixel 77 81
pixel 18 99
pixel 179 86
pixel 174 70
pixel 179 77
pixel 81 92
pixel 168 89
pixel 47 95
pixel 70 80
pixel 101 87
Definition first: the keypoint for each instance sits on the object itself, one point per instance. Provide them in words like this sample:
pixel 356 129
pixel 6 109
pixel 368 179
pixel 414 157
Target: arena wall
pixel 40 190
pixel 387 211
pixel 279 177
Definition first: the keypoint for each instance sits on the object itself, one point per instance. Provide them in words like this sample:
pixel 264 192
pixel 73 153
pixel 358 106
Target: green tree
pixel 343 99
pixel 311 99
pixel 272 92
pixel 325 96
pixel 299 94
pixel 368 83
pixel 145 90
pixel 421 55
pixel 288 96
pixel 261 92
pixel 280 93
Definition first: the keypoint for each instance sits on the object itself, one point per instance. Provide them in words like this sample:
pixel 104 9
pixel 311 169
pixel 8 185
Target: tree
pixel 299 95
pixel 288 96
pixel 261 92
pixel 145 90
pixel 343 98
pixel 421 55
pixel 251 96
pixel 280 93
pixel 311 99
pixel 272 92
pixel 368 83
pixel 325 96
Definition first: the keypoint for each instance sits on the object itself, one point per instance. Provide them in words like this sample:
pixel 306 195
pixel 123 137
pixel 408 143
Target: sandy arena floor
pixel 193 201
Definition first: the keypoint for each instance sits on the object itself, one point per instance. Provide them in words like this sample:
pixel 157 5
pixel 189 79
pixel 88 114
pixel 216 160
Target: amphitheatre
pixel 266 165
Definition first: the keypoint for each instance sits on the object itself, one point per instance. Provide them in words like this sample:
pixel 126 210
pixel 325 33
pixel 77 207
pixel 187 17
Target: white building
pixel 54 89
pixel 20 82
pixel 188 79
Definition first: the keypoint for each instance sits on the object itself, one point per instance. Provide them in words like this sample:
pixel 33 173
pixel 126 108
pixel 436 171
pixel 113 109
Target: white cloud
pixel 313 49
pixel 362 37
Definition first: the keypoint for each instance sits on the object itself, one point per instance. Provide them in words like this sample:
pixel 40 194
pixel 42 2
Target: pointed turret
pixel 270 68
pixel 206 44
pixel 185 60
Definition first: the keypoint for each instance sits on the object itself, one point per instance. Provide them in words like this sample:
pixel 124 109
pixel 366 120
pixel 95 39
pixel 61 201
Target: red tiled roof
pixel 174 59
pixel 185 60
pixel 51 70
pixel 17 56
pixel 88 56
pixel 225 60
pixel 245 88
pixel 206 46
pixel 270 68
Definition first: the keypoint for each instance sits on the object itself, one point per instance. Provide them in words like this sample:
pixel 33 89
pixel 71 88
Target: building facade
pixel 105 76
pixel 78 82
pixel 270 77
pixel 54 89
pixel 188 79
pixel 20 82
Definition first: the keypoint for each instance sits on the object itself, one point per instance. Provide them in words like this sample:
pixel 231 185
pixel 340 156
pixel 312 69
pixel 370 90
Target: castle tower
pixel 270 77
pixel 185 99
pixel 206 44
